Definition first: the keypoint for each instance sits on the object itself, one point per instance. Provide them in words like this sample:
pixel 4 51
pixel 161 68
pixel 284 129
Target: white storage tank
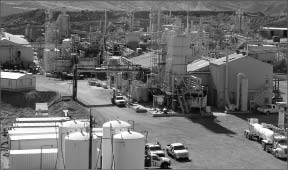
pixel 33 158
pixel 128 150
pixel 109 129
pixel 33 131
pixel 20 142
pixel 64 129
pixel 77 151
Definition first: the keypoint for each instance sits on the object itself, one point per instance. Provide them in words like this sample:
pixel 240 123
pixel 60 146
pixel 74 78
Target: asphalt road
pixel 216 143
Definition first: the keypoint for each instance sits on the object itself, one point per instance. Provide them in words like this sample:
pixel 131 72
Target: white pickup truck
pixel 268 109
pixel 154 161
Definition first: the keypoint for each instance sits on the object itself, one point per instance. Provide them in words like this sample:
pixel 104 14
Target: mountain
pixel 267 7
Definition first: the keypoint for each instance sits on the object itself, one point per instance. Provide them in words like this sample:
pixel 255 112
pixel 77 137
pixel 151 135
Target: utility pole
pixel 0 93
pixel 286 52
pixel 90 141
pixel 75 62
pixel 105 22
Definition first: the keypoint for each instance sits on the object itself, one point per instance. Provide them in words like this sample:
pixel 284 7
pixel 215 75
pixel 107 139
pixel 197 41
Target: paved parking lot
pixel 215 142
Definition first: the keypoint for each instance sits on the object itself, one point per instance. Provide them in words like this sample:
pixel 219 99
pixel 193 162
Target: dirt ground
pixel 216 142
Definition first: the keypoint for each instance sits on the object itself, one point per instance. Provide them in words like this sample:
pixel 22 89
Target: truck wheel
pixel 264 147
pixel 267 113
pixel 248 136
pixel 276 154
pixel 164 165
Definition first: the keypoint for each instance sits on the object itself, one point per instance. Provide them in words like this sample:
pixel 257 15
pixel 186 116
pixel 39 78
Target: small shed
pixel 41 109
pixel 16 81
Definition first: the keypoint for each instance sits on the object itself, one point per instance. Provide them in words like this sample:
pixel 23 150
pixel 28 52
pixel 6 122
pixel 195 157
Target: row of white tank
pixel 120 147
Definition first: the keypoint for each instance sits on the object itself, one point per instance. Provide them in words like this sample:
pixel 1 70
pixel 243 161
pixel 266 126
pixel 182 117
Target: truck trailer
pixel 272 138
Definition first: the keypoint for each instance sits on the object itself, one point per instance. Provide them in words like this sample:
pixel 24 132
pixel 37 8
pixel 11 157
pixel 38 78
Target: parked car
pixel 177 151
pixel 268 109
pixel 151 148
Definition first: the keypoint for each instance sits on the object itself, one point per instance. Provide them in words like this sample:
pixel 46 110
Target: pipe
pixel 240 76
pixel 226 100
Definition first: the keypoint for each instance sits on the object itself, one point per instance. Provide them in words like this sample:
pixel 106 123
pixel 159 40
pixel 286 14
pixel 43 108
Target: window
pixel 10 83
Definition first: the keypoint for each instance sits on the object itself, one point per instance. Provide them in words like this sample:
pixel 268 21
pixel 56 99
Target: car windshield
pixel 155 148
pixel 180 147
pixel 119 98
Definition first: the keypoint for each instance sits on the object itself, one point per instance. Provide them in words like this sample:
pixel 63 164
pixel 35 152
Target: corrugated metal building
pixel 13 81
pixel 265 53
pixel 259 75
pixel 14 49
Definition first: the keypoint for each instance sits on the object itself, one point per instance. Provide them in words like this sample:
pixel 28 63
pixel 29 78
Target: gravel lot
pixel 216 142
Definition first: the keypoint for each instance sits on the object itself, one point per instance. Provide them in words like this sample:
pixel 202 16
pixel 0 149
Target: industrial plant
pixel 143 89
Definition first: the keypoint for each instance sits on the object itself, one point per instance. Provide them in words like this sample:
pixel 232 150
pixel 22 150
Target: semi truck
pixel 272 138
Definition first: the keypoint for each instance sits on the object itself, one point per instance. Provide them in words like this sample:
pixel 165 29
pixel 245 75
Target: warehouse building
pixel 258 74
pixel 13 81
pixel 15 50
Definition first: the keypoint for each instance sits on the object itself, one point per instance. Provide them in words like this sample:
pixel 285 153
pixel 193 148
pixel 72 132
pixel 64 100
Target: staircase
pixel 182 101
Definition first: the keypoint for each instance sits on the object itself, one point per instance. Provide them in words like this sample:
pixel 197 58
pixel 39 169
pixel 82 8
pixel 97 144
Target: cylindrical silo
pixel 77 151
pixel 64 129
pixel 128 149
pixel 109 129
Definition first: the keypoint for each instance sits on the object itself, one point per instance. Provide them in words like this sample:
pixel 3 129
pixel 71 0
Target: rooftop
pixel 11 75
pixel 17 39
pixel 231 57
pixel 273 28
pixel 34 136
pixel 197 64
pixel 145 60
pixel 33 151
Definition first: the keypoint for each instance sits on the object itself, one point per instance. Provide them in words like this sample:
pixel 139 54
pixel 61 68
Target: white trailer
pixel 33 131
pixel 41 119
pixel 21 142
pixel 46 124
pixel 44 158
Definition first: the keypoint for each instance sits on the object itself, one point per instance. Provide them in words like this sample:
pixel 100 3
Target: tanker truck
pixel 272 138
pixel 256 131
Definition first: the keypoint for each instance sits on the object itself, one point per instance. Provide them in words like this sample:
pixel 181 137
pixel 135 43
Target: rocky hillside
pixel 267 7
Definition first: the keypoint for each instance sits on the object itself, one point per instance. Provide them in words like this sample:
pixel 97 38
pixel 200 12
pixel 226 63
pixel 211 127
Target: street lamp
pixel 41 154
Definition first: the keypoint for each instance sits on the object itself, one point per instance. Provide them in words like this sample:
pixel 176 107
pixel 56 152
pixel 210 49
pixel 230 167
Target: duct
pixel 226 97
pixel 242 92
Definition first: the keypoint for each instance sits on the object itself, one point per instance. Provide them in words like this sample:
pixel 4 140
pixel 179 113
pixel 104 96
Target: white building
pixel 12 81
pixel 15 49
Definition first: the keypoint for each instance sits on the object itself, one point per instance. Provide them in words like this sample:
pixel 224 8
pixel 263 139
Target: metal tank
pixel 64 129
pixel 128 149
pixel 77 151
pixel 109 129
